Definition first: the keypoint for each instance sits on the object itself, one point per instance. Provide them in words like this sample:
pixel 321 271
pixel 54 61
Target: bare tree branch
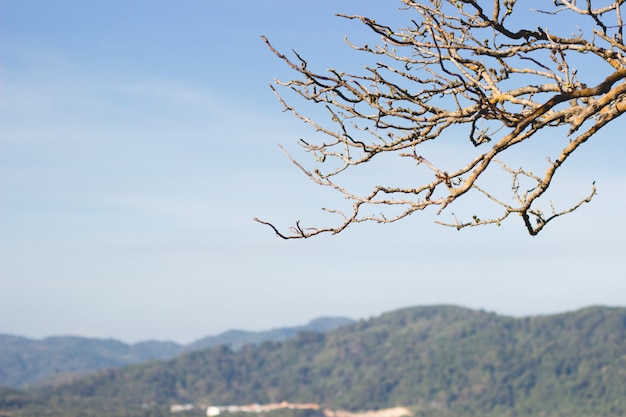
pixel 461 66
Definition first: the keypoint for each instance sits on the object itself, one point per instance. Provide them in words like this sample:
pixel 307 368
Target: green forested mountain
pixel 25 362
pixel 440 361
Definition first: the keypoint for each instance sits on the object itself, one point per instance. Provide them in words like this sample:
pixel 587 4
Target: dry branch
pixel 461 65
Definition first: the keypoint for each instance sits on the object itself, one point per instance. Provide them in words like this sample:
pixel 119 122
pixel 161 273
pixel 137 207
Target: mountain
pixel 441 361
pixel 236 339
pixel 25 362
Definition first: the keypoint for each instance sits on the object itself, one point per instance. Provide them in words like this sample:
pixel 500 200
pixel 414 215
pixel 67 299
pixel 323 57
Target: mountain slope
pixel 25 362
pixel 441 360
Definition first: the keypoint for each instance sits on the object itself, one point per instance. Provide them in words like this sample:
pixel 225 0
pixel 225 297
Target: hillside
pixel 440 361
pixel 25 362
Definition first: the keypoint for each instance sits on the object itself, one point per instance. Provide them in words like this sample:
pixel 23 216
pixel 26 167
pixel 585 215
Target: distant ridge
pixel 236 339
pixel 25 362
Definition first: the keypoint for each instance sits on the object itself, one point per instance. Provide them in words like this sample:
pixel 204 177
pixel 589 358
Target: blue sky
pixel 139 139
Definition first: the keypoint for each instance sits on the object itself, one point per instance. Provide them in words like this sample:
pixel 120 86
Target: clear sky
pixel 138 139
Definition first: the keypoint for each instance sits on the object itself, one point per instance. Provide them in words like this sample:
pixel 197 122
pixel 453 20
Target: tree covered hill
pixel 25 362
pixel 441 361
